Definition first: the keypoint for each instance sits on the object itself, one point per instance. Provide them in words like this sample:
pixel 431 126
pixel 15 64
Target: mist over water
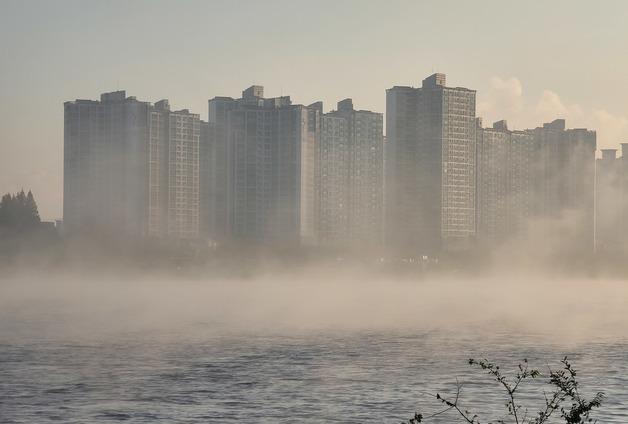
pixel 315 300
pixel 317 345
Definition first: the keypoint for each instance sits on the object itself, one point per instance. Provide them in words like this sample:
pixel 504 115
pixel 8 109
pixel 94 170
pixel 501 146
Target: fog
pixel 295 340
pixel 339 300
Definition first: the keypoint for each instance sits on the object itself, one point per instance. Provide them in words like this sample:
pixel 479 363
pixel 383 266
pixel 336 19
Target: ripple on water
pixel 327 377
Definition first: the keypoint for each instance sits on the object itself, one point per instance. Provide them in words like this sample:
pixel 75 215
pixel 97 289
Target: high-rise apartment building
pixel 131 168
pixel 402 230
pixel 207 165
pixel 566 179
pixel 350 181
pixel 505 182
pixel 105 166
pixel 430 167
pixel 218 193
pixel 523 179
pixel 333 181
pixel 611 202
pixel 493 145
pixel 265 155
pixel 174 157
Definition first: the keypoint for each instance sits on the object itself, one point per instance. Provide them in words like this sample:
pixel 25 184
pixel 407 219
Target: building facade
pixel 218 181
pixel 565 188
pixel 333 181
pixel 207 198
pixel 265 151
pixel 174 158
pixel 430 167
pixel 105 166
pixel 611 202
pixel 351 174
pixel 131 168
pixel 505 182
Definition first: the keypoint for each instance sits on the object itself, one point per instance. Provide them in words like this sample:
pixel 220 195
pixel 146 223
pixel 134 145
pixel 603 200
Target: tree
pixel 19 212
pixel 31 211
pixel 564 392
pixel 5 210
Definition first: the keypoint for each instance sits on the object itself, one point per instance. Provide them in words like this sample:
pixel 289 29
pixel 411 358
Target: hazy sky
pixel 530 61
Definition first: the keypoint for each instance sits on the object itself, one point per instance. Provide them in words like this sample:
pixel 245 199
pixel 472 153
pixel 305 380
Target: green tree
pixel 5 208
pixel 31 211
pixel 19 212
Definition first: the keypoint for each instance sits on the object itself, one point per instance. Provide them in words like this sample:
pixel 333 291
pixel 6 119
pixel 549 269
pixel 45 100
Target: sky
pixel 531 62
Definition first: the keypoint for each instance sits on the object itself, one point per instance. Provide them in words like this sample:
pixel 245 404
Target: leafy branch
pixel 564 392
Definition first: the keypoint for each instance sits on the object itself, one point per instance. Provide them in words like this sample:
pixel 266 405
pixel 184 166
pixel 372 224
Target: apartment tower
pixel 430 168
pixel 505 182
pixel 350 182
pixel 566 180
pixel 264 178
pixel 130 168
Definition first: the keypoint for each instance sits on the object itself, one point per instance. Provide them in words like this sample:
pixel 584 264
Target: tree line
pixel 18 212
